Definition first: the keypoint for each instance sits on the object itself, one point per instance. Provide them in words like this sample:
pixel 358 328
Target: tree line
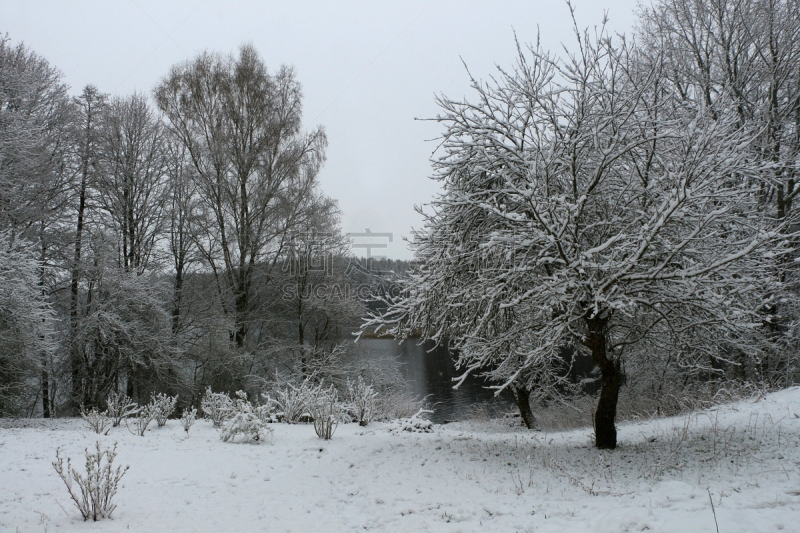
pixel 144 239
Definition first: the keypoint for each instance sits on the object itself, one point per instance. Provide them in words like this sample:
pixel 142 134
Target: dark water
pixel 431 373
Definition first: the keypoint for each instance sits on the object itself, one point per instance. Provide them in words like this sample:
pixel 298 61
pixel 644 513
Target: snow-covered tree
pixel 26 323
pixel 34 116
pixel 35 119
pixel 124 334
pixel 741 56
pixel 587 205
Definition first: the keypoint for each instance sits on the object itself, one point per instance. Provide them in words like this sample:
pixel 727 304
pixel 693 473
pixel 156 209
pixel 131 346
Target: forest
pixel 165 242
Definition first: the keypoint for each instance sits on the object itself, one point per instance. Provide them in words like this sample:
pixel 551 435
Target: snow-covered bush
pixel 145 415
pixel 245 421
pixel 216 406
pixel 99 422
pixel 291 402
pixel 415 423
pixel 392 404
pixel 362 398
pixel 120 406
pixel 163 406
pixel 187 419
pixel 97 489
pixel 324 407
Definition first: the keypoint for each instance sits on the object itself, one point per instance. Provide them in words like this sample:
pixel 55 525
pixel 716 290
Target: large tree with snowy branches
pixel 586 204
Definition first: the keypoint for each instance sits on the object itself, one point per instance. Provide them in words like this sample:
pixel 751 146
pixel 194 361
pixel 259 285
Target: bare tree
pixel 132 187
pixel 34 115
pixel 314 297
pixel 124 335
pixel 253 167
pixel 182 212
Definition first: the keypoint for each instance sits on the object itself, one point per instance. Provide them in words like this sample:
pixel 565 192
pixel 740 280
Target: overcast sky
pixel 368 70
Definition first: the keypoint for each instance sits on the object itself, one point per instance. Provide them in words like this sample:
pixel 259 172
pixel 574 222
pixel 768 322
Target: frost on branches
pixel 326 410
pixel 99 422
pixel 216 406
pixel 120 407
pixel 188 418
pixel 361 397
pixel 26 322
pixel 589 204
pixel 95 491
pixel 163 406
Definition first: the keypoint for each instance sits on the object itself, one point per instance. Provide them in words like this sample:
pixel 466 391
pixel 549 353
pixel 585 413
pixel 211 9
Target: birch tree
pixel 586 204
pixel 254 167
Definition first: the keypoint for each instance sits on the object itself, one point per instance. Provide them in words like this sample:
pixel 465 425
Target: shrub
pixel 217 406
pixel 291 402
pixel 120 406
pixel 99 422
pixel 362 397
pixel 146 414
pixel 98 488
pixel 394 403
pixel 163 406
pixel 325 409
pixel 187 419
pixel 245 421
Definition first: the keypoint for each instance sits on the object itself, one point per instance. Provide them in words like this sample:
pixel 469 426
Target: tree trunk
pixel 605 430
pixel 523 398
pixel 177 297
pixel 45 389
pixel 77 367
pixel 45 371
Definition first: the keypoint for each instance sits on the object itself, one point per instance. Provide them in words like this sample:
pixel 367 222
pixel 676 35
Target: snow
pixel 467 476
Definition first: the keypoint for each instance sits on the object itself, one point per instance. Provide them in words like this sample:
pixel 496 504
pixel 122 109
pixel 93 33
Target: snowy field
pixel 462 477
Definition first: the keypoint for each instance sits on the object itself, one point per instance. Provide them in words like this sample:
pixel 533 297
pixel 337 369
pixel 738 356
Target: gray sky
pixel 368 69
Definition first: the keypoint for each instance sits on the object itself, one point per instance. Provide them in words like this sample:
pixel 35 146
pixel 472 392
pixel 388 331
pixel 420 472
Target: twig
pixel 712 508
pixel 62 507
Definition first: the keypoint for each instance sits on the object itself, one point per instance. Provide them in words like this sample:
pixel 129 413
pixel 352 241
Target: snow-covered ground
pixel 463 477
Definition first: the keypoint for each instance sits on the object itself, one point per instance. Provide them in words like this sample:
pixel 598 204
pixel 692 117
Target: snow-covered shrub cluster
pixel 99 422
pixel 416 423
pixel 188 418
pixel 119 407
pixel 95 491
pixel 163 406
pixel 216 406
pixel 245 420
pixel 356 400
